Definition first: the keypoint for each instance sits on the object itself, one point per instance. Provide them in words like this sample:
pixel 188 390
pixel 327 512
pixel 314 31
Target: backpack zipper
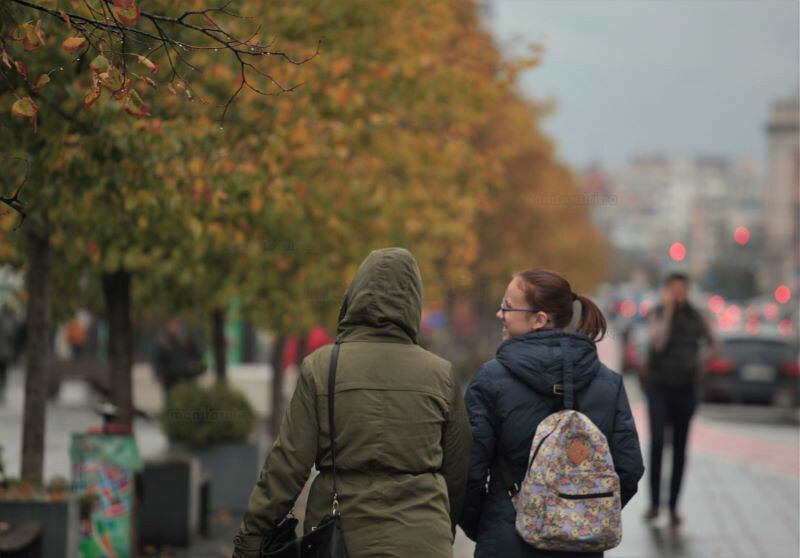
pixel 536 451
pixel 585 496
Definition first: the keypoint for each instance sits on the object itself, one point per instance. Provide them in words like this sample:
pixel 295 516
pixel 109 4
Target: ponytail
pixel 592 322
pixel 551 293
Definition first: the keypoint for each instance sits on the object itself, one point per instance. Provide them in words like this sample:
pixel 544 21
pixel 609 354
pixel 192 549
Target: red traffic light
pixel 677 251
pixel 741 235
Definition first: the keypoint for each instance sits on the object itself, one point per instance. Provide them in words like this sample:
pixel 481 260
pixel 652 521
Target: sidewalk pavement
pixel 741 494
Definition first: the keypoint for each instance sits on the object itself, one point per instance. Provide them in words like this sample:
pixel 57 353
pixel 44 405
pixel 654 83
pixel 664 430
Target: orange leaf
pixel 38 31
pixel 73 44
pixel 21 68
pixel 149 82
pixel 149 64
pixel 124 3
pixel 41 81
pixel 25 108
pixel 5 58
pixel 92 96
pixel 66 18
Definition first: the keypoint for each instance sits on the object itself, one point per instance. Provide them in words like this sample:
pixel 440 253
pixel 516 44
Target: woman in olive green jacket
pixel 402 437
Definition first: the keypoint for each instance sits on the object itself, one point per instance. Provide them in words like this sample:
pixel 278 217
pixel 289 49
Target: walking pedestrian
pixel 401 434
pixel 670 379
pixel 177 356
pixel 512 394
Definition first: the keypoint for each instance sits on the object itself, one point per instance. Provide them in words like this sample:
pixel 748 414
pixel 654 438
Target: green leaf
pixel 100 64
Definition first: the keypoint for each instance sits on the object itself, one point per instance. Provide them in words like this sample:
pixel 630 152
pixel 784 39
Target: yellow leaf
pixel 196 227
pixel 25 108
pixel 41 81
pixel 134 105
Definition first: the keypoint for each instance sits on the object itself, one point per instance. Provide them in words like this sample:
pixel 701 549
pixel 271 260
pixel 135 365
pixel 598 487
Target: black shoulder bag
pixel 325 540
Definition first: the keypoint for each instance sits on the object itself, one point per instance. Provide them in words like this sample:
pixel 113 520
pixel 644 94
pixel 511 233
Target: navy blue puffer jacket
pixel 507 399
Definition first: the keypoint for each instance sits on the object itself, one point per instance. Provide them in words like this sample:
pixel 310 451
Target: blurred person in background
pixel 670 380
pixel 177 356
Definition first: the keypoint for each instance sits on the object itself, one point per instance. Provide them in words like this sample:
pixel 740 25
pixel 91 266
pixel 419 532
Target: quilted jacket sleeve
pixel 625 448
pixel 483 424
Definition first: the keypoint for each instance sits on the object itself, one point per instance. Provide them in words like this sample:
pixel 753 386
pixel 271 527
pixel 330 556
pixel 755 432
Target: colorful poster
pixel 103 466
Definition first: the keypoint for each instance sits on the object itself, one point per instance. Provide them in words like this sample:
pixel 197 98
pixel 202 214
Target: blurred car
pixel 634 353
pixel 753 369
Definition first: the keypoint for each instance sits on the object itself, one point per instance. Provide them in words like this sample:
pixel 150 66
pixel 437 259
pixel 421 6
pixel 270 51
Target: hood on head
pixel 537 358
pixel 383 302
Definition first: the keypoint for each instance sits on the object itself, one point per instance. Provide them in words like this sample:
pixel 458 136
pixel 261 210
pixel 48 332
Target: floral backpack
pixel 570 497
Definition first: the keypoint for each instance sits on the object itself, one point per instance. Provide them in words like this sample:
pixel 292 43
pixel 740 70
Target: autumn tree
pixel 535 214
pixel 57 60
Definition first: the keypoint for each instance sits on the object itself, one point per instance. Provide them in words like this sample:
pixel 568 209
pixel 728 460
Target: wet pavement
pixel 741 495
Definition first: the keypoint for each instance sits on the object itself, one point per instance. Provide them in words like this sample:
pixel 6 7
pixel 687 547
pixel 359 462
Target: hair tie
pixel 574 296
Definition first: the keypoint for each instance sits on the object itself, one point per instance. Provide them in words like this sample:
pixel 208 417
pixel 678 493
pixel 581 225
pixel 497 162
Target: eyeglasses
pixel 504 307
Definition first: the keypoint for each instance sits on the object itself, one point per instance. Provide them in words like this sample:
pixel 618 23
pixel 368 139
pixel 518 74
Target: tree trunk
pixel 277 386
pixel 117 293
pixel 218 343
pixel 37 283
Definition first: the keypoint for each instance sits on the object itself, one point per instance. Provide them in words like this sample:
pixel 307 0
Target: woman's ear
pixel 539 320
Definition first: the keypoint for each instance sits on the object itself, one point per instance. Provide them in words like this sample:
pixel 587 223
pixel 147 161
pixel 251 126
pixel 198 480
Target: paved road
pixel 741 495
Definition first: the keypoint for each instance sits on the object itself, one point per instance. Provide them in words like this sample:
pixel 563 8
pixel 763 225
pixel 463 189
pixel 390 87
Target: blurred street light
pixel 627 308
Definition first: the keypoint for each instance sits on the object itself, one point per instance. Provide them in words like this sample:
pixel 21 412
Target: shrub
pixel 199 416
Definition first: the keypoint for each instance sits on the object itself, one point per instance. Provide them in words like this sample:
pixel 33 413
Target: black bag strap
pixel 569 387
pixel 331 423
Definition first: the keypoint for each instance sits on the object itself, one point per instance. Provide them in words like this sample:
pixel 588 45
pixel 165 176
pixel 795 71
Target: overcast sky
pixel 672 76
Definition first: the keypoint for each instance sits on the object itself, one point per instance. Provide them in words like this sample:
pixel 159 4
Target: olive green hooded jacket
pixel 403 441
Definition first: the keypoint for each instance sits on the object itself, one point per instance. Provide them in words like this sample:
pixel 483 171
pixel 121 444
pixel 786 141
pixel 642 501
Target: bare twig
pixel 14 202
pixel 202 24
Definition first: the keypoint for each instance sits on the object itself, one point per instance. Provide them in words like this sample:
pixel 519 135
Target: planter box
pixel 60 523
pixel 233 469
pixel 170 510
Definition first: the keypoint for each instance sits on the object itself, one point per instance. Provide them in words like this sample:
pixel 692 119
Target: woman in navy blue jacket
pixel 509 396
